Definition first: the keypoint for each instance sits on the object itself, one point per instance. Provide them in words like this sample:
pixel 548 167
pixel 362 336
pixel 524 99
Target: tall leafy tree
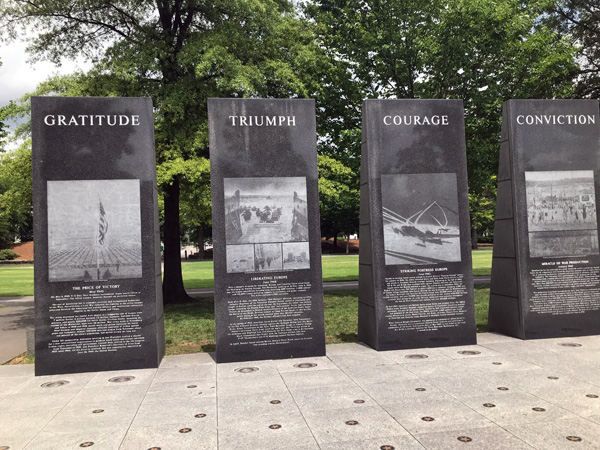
pixel 480 52
pixel 179 52
pixel 581 20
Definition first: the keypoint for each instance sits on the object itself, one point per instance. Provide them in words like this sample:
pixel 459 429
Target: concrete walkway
pixel 501 394
pixel 16 315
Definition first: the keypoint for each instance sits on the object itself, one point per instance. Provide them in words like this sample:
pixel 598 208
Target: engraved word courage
pixel 415 120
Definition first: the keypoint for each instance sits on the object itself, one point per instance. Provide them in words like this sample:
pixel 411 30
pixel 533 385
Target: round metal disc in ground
pixel 591 396
pixel 464 439
pixel 275 402
pixel 489 405
pixel 185 430
pixel 192 386
pixel 574 439
pixel 469 352
pixel 569 344
pixel 417 356
pixel 200 416
pixel 427 419
pixel 4 447
pixel 420 389
pixel 352 422
pixel 502 388
pixel 98 411
pixel 538 409
pixel 553 378
pixel 275 426
pixel 497 363
pixel 122 379
pixel 359 401
pixel 53 384
pixel 246 369
pixel 305 365
pixel 86 444
pixel 387 447
pixel 155 448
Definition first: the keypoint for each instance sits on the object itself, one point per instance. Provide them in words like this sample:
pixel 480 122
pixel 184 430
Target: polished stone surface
pixel 98 293
pixel 331 406
pixel 546 261
pixel 415 274
pixel 265 209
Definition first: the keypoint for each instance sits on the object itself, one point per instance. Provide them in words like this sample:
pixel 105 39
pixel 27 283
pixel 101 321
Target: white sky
pixel 18 77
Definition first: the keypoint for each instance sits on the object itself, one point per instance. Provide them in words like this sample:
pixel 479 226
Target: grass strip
pixel 17 281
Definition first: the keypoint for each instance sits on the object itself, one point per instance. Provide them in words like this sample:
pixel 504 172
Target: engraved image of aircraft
pixel 410 227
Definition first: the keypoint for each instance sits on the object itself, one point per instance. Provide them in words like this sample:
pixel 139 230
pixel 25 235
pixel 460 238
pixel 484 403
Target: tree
pixel 480 52
pixel 339 198
pixel 15 195
pixel 581 19
pixel 179 52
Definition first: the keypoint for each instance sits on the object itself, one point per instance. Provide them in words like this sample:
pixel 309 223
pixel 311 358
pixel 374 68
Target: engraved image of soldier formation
pixel 266 224
pixel 94 230
pixel 561 213
pixel 420 218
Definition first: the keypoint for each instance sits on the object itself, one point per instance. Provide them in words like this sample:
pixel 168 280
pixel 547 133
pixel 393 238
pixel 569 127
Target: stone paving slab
pixel 354 399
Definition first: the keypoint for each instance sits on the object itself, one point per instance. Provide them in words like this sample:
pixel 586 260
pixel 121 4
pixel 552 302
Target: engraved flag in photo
pixel 102 225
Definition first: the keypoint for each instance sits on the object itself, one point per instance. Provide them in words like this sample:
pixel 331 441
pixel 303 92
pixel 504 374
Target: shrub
pixel 7 255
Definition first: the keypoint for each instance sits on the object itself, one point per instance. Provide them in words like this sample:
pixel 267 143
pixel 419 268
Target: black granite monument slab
pixel 415 276
pixel 546 264
pixel 98 298
pixel 266 236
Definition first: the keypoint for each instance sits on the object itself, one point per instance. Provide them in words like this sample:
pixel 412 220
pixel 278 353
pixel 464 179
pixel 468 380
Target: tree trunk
pixel 335 240
pixel 173 290
pixel 347 244
pixel 473 238
pixel 201 254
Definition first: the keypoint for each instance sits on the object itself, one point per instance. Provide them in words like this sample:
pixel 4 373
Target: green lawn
pixel 190 328
pixel 18 280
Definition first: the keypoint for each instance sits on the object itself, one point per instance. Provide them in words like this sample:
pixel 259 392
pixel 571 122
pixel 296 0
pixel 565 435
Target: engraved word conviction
pixel 92 120
pixel 415 120
pixel 562 119
pixel 267 121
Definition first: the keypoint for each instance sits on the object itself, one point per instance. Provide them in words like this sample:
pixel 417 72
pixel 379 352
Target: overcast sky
pixel 17 76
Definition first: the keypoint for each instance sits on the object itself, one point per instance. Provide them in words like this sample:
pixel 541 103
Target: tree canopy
pixel 480 52
pixel 179 53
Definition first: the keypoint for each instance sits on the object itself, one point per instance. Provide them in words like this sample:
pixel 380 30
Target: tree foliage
pixel 480 52
pixel 339 198
pixel 581 20
pixel 179 53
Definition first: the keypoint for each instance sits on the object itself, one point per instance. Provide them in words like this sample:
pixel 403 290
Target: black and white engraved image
pixel 420 218
pixel 268 209
pixel 296 255
pixel 94 230
pixel 240 258
pixel 267 257
pixel 561 213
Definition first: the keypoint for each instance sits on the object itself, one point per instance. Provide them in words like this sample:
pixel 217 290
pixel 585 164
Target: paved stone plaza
pixel 501 394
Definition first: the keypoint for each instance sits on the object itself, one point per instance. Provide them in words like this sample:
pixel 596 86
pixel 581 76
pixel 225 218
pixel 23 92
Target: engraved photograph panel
pixel 267 257
pixel 269 209
pixel 296 255
pixel 94 230
pixel 561 213
pixel 420 218
pixel 240 258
